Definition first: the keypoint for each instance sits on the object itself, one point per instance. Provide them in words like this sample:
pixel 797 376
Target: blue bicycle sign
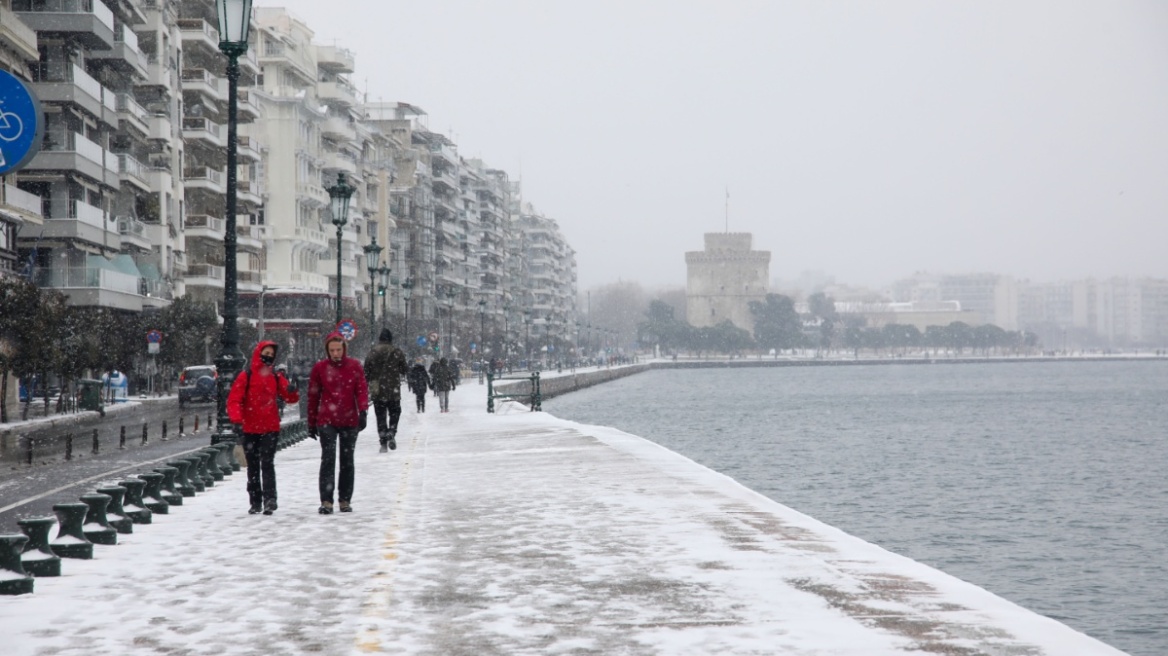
pixel 348 329
pixel 22 123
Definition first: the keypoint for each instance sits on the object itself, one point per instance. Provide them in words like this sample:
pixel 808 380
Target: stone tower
pixel 723 279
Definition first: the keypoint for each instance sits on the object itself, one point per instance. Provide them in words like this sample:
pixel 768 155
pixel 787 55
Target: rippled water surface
pixel 1046 483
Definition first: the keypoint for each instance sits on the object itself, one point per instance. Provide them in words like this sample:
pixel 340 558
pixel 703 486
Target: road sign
pixel 434 337
pixel 421 340
pixel 347 329
pixel 22 123
pixel 473 347
pixel 153 337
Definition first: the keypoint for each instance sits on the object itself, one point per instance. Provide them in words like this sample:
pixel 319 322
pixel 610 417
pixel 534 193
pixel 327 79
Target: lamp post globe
pixel 339 195
pixel 372 256
pixel 383 288
pixel 234 25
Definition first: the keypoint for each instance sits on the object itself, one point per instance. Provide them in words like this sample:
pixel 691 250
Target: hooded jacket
pixel 418 379
pixel 337 392
pixel 384 367
pixel 252 401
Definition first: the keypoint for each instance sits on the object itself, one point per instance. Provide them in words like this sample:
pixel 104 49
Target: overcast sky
pixel 868 140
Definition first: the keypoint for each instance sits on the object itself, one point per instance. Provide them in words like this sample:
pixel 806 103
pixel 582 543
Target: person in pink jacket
pixel 338 405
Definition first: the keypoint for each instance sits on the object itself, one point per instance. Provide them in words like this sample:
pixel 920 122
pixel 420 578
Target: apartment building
pixel 18 208
pixel 991 297
pixel 548 284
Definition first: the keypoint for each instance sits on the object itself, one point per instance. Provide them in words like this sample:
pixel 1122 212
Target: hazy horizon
pixel 868 141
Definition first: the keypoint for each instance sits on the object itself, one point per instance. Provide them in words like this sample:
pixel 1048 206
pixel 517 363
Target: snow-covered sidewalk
pixel 513 533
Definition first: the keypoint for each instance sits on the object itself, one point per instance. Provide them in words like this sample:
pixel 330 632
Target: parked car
pixel 197 384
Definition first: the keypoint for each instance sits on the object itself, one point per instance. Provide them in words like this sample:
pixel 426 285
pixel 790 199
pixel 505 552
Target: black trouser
pixel 329 480
pixel 393 405
pixel 421 398
pixel 260 449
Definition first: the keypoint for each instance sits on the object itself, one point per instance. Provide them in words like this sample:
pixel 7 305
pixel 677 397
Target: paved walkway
pixel 514 533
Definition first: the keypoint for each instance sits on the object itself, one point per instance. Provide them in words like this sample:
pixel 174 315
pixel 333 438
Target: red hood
pixel 255 354
pixel 336 336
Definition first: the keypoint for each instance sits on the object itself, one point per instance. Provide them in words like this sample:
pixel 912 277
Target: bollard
pixel 97 527
pixel 170 493
pixel 31 446
pixel 212 467
pixel 181 482
pixel 68 446
pixel 16 581
pixel 38 559
pixel 96 443
pixel 196 423
pixel 203 473
pixel 164 430
pixel 134 505
pixel 71 541
pixel 152 493
pixel 224 456
pixel 122 441
pixel 145 433
pixel 232 462
pixel 181 432
pixel 115 514
pixel 208 421
pixel 193 476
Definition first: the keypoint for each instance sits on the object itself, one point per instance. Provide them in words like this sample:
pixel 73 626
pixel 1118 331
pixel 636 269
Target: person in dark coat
pixel 419 382
pixel 338 406
pixel 444 378
pixel 252 404
pixel 384 367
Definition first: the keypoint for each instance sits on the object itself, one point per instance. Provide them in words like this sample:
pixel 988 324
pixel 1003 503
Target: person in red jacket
pixel 338 405
pixel 253 405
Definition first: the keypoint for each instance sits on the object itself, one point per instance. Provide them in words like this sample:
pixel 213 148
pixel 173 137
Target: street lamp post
pixel 383 288
pixel 372 255
pixel 339 195
pixel 407 292
pixel 234 23
pixel 450 294
pixel 527 336
pixel 482 337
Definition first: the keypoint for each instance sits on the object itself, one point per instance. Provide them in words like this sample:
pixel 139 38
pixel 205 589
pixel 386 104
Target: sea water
pixel 1045 483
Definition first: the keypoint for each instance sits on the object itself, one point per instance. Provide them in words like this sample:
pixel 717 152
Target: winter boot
pixel 255 509
pixel 345 507
pixel 269 506
pixel 326 508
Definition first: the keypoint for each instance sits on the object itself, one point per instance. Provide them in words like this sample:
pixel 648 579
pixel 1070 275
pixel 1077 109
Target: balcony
pixel 310 281
pixel 340 161
pixel 72 85
pixel 248 109
pixel 203 81
pixel 88 286
pixel 335 60
pixel 160 127
pixel 338 129
pixel 278 52
pixel 200 33
pixel 133 232
pixel 248 149
pixel 248 191
pixel 75 153
pixel 339 92
pixel 249 237
pixel 205 275
pixel 203 130
pixel 124 55
pixel 17 36
pixel 313 193
pixel 314 237
pixel 133 172
pixel 130 113
pixel 88 22
pixel 329 268
pixel 30 205
pixel 204 178
pixel 75 219
pixel 205 227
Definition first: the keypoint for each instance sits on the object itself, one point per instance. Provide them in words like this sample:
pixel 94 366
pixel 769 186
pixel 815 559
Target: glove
pixel 312 432
pixel 289 385
pixel 362 420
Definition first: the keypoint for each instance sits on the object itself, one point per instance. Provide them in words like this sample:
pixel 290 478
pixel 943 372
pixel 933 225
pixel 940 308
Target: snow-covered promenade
pixel 513 533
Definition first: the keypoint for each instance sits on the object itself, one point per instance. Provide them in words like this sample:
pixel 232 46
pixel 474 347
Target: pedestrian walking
pixel 338 405
pixel 252 405
pixel 419 382
pixel 444 378
pixel 384 367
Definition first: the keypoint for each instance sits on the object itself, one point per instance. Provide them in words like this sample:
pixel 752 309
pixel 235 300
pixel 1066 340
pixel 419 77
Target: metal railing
pixel 534 398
